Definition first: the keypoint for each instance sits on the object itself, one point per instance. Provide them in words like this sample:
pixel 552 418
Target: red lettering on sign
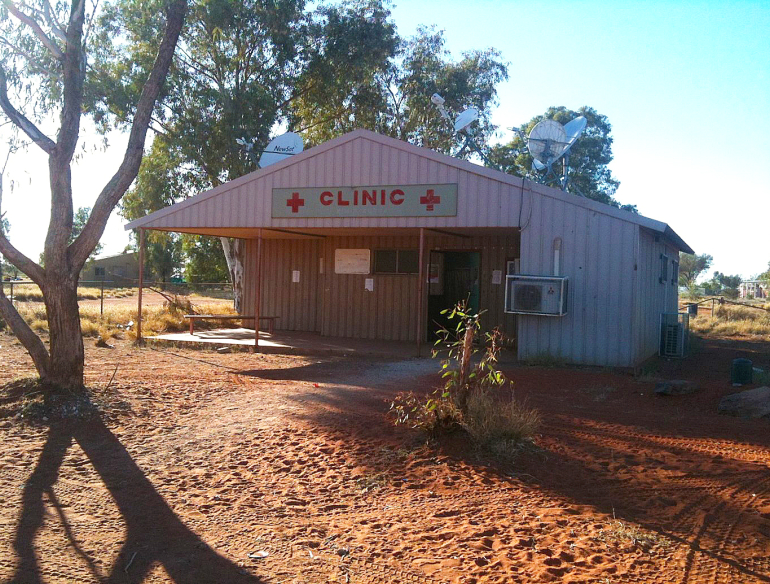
pixel 396 193
pixel 355 197
pixel 340 201
pixel 430 199
pixel 370 197
pixel 295 202
pixel 327 198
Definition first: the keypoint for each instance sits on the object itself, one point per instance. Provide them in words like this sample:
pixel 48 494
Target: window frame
pixel 398 251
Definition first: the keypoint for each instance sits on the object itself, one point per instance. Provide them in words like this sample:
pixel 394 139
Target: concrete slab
pixel 296 342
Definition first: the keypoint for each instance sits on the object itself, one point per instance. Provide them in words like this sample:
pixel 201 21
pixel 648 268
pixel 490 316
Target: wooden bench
pixel 193 317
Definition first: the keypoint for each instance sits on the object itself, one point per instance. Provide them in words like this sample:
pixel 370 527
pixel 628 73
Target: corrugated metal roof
pixel 184 216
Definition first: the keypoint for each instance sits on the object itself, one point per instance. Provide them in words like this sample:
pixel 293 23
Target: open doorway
pixel 452 276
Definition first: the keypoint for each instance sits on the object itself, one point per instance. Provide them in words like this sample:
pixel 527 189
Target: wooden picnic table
pixel 193 317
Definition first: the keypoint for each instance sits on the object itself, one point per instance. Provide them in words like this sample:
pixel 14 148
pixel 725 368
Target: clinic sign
pixel 438 200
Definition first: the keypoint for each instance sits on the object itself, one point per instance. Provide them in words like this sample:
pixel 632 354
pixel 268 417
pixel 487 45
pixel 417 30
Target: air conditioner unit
pixel 541 295
pixel 674 334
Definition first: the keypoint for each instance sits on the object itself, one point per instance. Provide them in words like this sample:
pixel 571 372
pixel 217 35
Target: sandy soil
pixel 205 462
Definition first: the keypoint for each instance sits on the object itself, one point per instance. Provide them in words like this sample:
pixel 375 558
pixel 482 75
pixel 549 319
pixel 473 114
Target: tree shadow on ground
pixel 154 534
pixel 629 457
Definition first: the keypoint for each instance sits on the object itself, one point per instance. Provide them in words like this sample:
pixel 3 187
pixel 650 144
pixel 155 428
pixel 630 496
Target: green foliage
pixel 471 398
pixel 765 275
pixel 723 285
pixel 393 97
pixel 691 266
pixel 79 221
pixel 590 157
pixel 435 415
pixel 460 376
pixel 205 262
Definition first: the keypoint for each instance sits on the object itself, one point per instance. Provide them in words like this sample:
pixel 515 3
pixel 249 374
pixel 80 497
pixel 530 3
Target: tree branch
pixel 119 183
pixel 25 334
pixel 39 32
pixel 74 77
pixel 20 120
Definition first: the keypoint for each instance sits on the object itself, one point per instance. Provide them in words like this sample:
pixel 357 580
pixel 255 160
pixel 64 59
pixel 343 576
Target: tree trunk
pixel 66 354
pixel 235 252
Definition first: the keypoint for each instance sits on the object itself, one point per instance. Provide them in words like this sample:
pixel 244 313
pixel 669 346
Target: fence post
pixel 101 303
pixel 12 300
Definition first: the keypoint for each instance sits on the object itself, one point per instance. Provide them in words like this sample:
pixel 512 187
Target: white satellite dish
pixel 573 130
pixel 281 148
pixel 547 141
pixel 466 118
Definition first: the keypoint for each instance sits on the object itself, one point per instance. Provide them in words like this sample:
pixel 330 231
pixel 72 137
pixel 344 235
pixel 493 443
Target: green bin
pixel 742 372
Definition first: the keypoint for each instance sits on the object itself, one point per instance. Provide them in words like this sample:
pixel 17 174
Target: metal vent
pixel 674 334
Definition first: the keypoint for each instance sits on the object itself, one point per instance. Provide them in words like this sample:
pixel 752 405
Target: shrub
pixel 499 425
pixel 471 396
pixel 435 415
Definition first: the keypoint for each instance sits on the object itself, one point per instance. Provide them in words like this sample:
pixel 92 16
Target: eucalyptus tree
pixel 395 100
pixel 589 160
pixel 239 67
pixel 45 75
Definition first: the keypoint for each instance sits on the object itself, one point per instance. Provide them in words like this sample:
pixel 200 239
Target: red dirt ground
pixel 201 459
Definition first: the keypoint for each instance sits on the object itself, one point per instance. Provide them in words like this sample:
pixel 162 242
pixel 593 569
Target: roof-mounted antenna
pixel 278 149
pixel 547 142
pixel 462 126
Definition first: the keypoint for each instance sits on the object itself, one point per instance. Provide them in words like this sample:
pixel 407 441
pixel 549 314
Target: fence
pixel 219 290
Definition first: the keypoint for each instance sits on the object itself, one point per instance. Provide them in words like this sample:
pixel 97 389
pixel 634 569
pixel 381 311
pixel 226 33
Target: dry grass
pixel 499 425
pixel 730 320
pixel 31 292
pixel 116 319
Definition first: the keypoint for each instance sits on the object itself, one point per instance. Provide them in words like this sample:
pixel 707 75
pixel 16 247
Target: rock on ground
pixel 752 403
pixel 676 387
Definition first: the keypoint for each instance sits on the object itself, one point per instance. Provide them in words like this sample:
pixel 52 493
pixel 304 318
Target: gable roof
pixel 172 216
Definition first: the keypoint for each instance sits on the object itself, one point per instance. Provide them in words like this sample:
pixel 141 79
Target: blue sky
pixel 685 85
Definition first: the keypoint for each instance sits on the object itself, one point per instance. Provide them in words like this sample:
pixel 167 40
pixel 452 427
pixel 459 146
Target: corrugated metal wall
pixel 295 303
pixel 339 305
pixel 655 297
pixel 597 254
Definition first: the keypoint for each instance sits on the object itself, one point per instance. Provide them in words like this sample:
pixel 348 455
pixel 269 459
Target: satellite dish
pixel 281 148
pixel 573 130
pixel 547 141
pixel 465 119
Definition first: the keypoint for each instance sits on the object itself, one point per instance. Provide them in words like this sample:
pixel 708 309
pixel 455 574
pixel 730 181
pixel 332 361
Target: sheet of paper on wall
pixel 295 276
pixel 497 276
pixel 369 284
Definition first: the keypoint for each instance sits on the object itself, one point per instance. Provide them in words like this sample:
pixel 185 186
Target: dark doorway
pixel 453 276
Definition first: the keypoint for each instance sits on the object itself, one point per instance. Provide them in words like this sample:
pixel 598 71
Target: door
pixel 453 276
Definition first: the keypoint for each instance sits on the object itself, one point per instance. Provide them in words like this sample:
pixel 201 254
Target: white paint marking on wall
pixel 295 276
pixel 369 284
pixel 497 276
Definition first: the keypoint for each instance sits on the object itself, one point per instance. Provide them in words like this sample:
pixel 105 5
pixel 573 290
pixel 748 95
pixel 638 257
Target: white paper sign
pixel 351 261
pixel 369 284
pixel 497 276
pixel 295 276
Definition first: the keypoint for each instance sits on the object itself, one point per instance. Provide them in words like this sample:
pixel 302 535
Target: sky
pixel 685 85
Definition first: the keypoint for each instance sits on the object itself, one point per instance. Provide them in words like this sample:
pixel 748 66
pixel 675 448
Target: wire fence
pixel 27 291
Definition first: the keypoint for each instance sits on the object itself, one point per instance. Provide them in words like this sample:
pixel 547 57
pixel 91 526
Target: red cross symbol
pixel 295 202
pixel 430 199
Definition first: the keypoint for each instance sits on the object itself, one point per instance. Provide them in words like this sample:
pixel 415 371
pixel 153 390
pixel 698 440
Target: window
pixel 396 261
pixel 663 268
pixel 98 271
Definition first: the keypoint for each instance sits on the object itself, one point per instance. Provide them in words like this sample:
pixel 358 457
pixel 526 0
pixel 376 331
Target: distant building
pixel 122 269
pixel 754 289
